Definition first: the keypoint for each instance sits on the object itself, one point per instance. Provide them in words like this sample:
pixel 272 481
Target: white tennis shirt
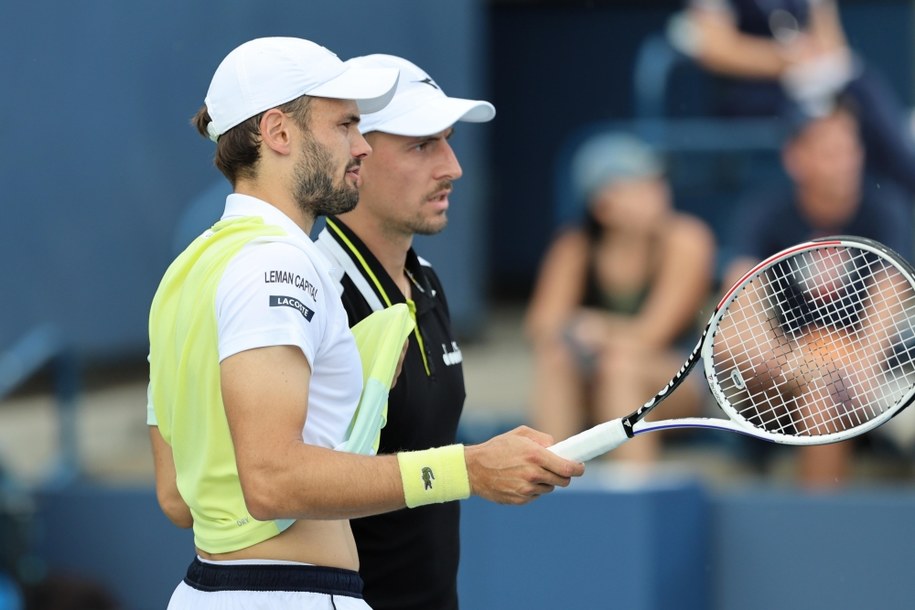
pixel 280 291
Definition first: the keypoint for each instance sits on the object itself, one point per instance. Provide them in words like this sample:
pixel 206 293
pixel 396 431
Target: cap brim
pixel 371 88
pixel 435 115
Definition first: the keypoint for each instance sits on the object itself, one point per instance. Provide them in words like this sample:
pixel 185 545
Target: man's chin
pixel 349 207
pixel 431 228
pixel 334 205
pixel 347 204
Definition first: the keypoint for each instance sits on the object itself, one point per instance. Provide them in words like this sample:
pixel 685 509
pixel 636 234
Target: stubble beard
pixel 315 190
pixel 426 226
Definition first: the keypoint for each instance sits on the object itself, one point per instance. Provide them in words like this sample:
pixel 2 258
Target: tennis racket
pixel 814 345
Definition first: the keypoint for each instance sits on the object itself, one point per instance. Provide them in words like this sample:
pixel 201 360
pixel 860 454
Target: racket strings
pixel 817 343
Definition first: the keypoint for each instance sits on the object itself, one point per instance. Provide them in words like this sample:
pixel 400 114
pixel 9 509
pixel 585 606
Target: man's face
pixel 634 204
pixel 827 160
pixel 327 171
pixel 831 150
pixel 407 181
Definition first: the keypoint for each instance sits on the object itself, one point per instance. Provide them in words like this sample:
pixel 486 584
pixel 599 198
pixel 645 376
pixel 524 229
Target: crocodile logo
pixel 428 477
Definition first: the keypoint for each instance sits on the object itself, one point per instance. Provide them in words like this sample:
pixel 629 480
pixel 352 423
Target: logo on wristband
pixel 428 476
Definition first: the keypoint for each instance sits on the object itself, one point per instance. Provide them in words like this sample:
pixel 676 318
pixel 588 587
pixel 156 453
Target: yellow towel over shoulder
pixel 380 338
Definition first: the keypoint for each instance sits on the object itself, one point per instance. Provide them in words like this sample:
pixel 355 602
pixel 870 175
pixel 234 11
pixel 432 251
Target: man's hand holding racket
pixel 516 467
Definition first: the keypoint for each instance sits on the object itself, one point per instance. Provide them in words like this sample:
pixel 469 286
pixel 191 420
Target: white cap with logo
pixel 268 72
pixel 419 107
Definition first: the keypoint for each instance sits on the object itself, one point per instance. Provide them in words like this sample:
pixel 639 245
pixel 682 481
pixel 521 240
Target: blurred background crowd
pixel 644 155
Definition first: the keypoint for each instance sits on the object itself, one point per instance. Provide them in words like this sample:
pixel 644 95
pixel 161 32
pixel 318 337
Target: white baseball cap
pixel 419 107
pixel 267 72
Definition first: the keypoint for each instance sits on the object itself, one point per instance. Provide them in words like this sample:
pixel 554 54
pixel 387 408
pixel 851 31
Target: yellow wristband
pixel 434 475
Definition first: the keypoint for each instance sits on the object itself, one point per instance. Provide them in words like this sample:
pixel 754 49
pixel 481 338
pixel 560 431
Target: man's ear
pixel 275 131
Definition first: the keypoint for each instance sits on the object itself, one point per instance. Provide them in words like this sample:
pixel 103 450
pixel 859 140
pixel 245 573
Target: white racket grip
pixel 592 442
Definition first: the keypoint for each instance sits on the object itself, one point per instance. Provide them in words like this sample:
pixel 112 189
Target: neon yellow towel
pixel 380 338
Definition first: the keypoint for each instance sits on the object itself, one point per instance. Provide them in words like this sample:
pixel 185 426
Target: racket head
pixel 816 344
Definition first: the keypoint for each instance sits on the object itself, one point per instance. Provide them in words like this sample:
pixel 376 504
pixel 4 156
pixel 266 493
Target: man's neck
pixel 812 200
pixel 388 247
pixel 278 199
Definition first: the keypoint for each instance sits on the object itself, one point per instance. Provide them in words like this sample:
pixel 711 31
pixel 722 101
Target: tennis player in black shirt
pixel 409 558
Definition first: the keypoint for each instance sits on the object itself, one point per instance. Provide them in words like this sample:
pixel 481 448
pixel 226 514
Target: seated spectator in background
pixel 782 53
pixel 824 159
pixel 615 295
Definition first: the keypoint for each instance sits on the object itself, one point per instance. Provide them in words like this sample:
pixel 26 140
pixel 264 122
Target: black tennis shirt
pixel 409 558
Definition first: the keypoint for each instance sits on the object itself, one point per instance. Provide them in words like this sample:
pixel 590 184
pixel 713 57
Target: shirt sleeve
pixel 268 296
pixel 891 220
pixel 151 419
pixel 150 408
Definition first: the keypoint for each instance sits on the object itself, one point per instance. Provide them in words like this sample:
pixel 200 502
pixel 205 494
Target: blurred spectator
pixel 823 158
pixel 615 295
pixel 794 52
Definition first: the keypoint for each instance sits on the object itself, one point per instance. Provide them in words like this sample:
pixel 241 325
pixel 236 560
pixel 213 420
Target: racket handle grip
pixel 592 442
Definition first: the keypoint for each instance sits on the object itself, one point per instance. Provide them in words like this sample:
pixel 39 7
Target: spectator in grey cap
pixel 617 296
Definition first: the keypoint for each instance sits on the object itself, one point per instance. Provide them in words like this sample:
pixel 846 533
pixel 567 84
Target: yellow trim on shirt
pixel 384 295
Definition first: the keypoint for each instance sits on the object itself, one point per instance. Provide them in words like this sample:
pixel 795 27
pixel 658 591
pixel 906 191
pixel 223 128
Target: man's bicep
pixel 265 394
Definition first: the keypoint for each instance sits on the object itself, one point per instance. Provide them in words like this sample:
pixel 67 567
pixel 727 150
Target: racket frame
pixel 608 435
pixel 736 422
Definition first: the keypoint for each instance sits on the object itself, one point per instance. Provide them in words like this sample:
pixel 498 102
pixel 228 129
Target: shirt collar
pixel 422 294
pixel 238 205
